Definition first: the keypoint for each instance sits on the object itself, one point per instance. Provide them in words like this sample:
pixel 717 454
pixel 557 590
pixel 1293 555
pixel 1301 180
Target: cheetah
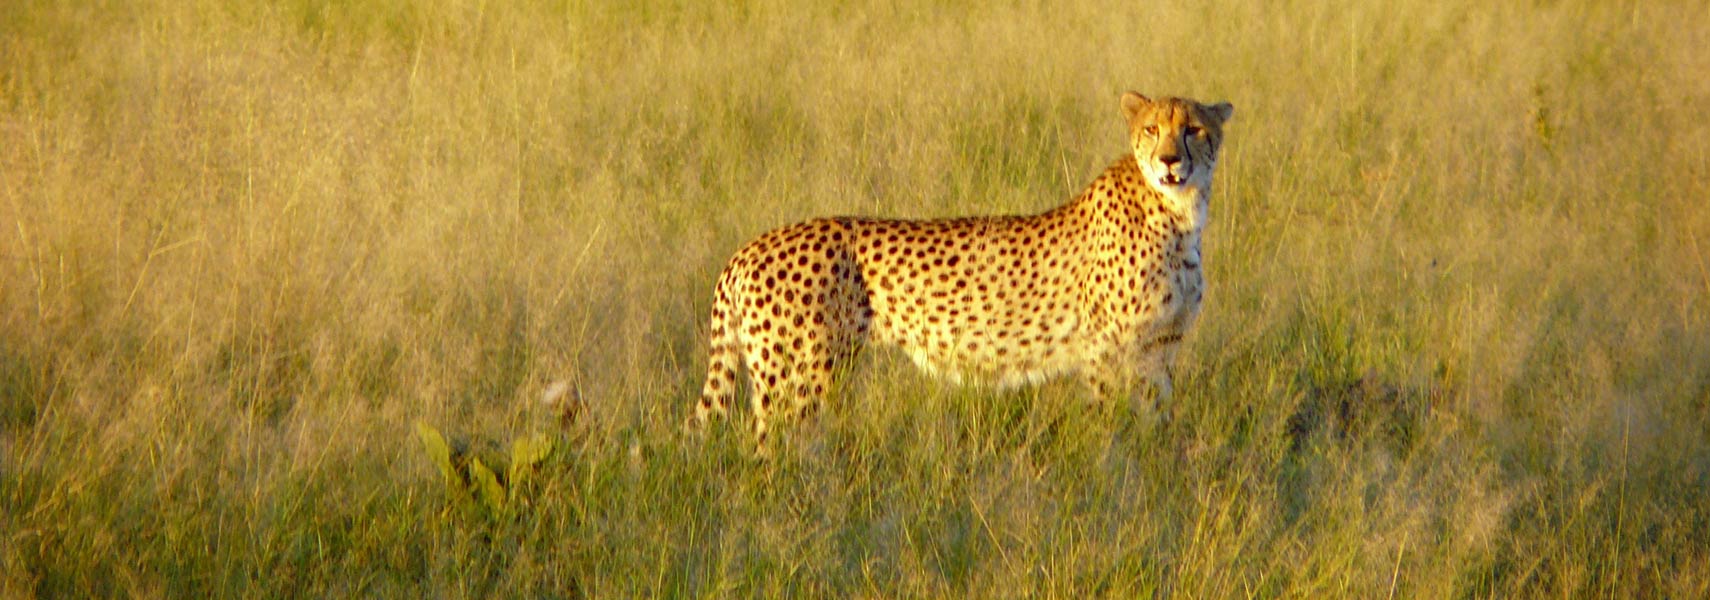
pixel 1103 287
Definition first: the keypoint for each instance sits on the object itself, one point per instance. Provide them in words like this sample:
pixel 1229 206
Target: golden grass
pixel 1456 344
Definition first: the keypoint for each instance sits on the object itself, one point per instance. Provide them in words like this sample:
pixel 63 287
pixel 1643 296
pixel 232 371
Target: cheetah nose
pixel 1169 160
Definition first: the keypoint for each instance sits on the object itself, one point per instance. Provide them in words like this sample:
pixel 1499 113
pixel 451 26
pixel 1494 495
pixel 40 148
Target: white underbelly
pixel 978 357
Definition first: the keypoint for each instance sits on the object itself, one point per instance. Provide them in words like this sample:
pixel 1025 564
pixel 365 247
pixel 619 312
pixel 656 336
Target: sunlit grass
pixel 1456 342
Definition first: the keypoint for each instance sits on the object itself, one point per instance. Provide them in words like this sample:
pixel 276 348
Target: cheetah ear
pixel 1221 111
pixel 1133 104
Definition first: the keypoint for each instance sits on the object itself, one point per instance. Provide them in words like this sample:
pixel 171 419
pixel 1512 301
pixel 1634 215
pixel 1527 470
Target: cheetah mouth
pixel 1172 179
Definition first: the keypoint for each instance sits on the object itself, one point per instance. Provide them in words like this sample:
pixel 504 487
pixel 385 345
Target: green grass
pixel 1457 342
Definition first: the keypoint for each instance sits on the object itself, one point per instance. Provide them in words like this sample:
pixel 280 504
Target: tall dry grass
pixel 1456 343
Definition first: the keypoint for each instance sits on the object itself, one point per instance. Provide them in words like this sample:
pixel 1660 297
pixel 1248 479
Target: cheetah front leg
pixel 1154 400
pixel 1148 387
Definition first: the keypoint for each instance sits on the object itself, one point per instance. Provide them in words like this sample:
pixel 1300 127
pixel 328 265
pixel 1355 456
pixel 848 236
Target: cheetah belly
pixel 963 356
pixel 970 338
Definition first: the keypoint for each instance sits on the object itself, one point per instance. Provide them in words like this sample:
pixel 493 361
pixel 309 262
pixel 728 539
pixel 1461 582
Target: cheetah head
pixel 1175 141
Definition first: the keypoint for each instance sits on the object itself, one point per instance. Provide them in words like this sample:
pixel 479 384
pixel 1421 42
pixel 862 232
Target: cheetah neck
pixel 1192 208
pixel 1188 208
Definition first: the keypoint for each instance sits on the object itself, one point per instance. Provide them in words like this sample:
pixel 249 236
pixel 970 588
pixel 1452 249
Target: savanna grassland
pixel 1457 342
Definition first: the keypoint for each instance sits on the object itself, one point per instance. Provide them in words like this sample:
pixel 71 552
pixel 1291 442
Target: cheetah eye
pixel 1190 131
pixel 1151 130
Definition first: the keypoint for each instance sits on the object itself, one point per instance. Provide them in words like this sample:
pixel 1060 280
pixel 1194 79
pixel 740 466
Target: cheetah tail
pixel 724 357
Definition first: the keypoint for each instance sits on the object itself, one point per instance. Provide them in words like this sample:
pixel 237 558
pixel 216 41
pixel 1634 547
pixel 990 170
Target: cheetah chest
pixel 1164 283
pixel 1179 305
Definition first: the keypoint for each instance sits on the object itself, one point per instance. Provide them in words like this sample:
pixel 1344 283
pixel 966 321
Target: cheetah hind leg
pixel 770 379
pixel 793 400
pixel 789 389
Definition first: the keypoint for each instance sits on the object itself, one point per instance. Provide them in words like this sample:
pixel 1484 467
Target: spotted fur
pixel 1103 287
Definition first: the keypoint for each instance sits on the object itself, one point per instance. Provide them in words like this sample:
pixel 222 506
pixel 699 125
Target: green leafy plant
pixel 472 483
